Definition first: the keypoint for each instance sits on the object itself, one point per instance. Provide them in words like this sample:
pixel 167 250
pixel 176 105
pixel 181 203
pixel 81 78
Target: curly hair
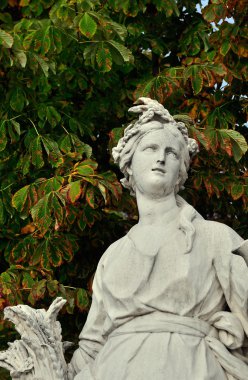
pixel 150 110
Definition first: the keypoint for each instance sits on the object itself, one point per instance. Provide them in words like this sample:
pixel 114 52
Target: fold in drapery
pixel 132 283
pixel 163 322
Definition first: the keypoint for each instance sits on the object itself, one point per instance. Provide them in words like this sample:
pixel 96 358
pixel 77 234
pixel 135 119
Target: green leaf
pixel 237 191
pixel 17 99
pixel 208 13
pixel 65 144
pixel 90 197
pixel 87 26
pixel 74 191
pixel 21 57
pixel 3 138
pixel 2 213
pixel 6 39
pixel 82 299
pixel 39 289
pixel 27 280
pixel 124 53
pixel 52 116
pixel 225 47
pixel 218 68
pixel 84 170
pixel 36 153
pixel 103 191
pixel 239 144
pixel 43 64
pixel 55 256
pixel 20 197
pixel 56 36
pixel 41 214
pixel 195 74
pixel 58 212
pixel 52 287
pixel 104 59
pixel 51 147
pixel 45 41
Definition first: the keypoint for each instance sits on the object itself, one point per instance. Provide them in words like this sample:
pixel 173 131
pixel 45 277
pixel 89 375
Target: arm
pixel 232 273
pixel 91 339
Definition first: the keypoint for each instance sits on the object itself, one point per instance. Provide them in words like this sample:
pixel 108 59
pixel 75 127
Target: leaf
pixel 65 144
pixel 82 300
pixel 43 64
pixel 36 153
pixel 22 57
pixel 125 53
pixel 104 59
pixel 49 185
pixel 90 197
pixel 3 138
pixel 58 212
pixel 41 214
pixel 74 191
pixel 55 256
pixel 20 197
pixel 218 68
pixel 103 191
pixel 27 280
pixel 87 26
pixel 38 253
pixel 52 116
pixel 208 13
pixel 237 191
pixel 237 140
pixel 52 150
pixel 195 74
pixel 6 39
pixel 39 289
pixel 2 213
pixel 225 47
pixel 52 287
pixel 84 170
pixel 45 41
pixel 17 99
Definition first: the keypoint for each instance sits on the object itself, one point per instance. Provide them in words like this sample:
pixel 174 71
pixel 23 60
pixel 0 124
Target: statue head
pixel 153 117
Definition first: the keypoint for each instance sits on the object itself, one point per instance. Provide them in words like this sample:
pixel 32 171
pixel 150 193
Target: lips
pixel 159 170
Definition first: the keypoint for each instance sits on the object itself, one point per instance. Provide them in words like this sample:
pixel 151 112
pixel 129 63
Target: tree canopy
pixel 69 70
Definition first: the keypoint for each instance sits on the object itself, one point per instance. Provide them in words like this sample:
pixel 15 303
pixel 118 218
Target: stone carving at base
pixel 39 354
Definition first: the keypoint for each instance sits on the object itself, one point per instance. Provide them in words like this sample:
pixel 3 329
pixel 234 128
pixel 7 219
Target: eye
pixel 150 148
pixel 172 153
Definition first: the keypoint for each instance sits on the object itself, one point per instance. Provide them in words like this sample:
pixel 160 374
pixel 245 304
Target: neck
pixel 156 211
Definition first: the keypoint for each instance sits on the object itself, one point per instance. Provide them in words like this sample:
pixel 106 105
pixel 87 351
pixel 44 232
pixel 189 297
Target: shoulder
pixel 218 234
pixel 113 250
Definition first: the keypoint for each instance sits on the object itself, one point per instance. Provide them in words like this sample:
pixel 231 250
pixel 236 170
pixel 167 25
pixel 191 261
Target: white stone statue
pixel 170 299
pixel 39 354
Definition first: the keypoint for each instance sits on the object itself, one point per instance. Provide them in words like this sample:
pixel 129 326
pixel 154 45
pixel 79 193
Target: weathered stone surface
pixel 169 299
pixel 39 353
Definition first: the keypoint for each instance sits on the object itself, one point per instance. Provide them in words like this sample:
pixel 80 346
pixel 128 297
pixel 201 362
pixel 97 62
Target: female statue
pixel 170 297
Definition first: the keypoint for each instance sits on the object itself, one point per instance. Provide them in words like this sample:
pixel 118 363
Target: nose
pixel 161 157
pixel 162 162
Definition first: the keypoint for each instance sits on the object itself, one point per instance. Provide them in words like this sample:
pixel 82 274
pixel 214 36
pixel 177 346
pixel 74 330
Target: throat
pixel 157 211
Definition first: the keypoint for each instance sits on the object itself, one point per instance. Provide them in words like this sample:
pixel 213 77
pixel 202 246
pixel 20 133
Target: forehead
pixel 163 136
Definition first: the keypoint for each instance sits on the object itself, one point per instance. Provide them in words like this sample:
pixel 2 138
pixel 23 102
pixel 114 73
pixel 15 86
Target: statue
pixel 170 299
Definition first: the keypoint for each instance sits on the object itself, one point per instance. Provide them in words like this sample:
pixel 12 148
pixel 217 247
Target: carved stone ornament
pixel 38 355
pixel 170 299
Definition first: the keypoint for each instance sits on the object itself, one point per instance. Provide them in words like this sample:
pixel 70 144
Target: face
pixel 156 163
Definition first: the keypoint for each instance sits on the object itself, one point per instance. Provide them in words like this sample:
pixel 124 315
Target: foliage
pixel 69 70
